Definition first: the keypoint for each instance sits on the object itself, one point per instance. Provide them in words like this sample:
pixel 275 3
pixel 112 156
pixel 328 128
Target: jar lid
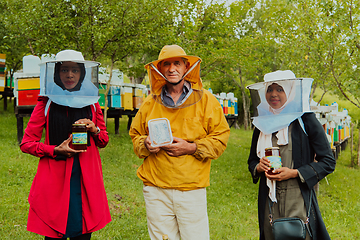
pixel 272 148
pixel 79 124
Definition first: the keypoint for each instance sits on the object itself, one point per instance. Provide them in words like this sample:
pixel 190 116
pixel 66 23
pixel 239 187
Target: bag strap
pixel 308 213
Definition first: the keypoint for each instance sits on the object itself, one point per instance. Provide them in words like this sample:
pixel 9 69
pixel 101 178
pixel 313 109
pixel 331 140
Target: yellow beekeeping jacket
pixel 203 123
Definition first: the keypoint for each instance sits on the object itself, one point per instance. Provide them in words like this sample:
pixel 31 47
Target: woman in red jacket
pixel 67 197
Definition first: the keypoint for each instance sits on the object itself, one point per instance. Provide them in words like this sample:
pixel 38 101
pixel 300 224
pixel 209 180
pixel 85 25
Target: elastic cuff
pixel 255 173
pixel 49 150
pixel 197 154
pixel 142 149
pixel 97 132
pixel 301 177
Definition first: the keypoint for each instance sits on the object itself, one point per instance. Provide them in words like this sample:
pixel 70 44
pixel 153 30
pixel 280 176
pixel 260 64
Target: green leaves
pixel 312 38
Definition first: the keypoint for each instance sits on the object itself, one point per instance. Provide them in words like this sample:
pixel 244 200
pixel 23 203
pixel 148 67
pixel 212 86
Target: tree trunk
pixel 352 144
pixel 358 153
pixel 108 89
pixel 246 112
pixel 313 91
pixel 246 101
pixel 140 79
pixel 245 98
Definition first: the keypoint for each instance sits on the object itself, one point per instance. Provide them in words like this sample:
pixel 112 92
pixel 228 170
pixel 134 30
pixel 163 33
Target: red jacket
pixel 50 191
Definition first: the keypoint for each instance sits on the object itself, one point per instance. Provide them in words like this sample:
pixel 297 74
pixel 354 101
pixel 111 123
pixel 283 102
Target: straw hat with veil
pixel 158 80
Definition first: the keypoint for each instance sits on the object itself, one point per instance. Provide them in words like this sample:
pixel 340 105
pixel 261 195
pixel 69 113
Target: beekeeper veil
pixel 158 80
pixel 278 101
pixel 69 80
pixel 268 117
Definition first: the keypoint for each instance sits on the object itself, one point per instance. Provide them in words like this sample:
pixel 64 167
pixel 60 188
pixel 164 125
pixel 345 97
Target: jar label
pixel 79 138
pixel 275 161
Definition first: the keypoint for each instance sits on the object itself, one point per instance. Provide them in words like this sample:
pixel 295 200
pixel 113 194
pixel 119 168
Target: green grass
pixel 232 197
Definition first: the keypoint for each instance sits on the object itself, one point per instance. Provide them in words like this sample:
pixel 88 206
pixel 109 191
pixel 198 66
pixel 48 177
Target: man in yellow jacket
pixel 176 175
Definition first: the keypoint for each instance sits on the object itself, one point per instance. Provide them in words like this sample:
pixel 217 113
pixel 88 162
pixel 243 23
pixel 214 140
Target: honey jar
pixel 79 138
pixel 273 154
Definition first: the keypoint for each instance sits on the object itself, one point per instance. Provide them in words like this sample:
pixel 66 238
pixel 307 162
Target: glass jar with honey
pixel 79 137
pixel 273 154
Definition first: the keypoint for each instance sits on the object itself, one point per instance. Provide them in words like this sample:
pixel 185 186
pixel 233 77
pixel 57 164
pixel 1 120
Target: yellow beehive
pixel 2 82
pixel 28 83
pixel 139 95
pixel 127 97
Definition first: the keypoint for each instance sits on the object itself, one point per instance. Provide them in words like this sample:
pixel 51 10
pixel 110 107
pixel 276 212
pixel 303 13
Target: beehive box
pixel 27 82
pixel 115 97
pixel 27 89
pixel 127 96
pixel 2 72
pixel 138 95
pixel 102 90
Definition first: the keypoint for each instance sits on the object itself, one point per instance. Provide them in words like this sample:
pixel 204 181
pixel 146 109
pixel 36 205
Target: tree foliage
pixel 97 28
pixel 238 41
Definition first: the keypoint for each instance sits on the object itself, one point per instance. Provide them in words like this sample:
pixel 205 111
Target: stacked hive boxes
pixel 336 125
pixel 115 97
pixel 232 104
pixel 339 126
pixel 2 72
pixel 224 102
pixel 125 95
pixel 102 91
pixel 228 103
pixel 9 82
pixel 139 93
pixel 28 88
pixel 27 83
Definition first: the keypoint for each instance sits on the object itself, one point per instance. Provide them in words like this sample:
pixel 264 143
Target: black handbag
pixel 289 228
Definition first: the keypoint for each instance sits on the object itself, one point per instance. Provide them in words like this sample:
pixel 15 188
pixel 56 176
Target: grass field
pixel 232 197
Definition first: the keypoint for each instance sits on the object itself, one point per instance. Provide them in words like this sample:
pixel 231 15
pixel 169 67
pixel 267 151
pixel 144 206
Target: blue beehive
pixel 115 97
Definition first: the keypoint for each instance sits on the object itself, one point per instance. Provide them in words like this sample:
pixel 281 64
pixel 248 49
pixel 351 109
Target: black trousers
pixel 81 237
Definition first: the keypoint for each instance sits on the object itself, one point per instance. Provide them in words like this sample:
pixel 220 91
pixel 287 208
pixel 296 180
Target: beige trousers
pixel 179 214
